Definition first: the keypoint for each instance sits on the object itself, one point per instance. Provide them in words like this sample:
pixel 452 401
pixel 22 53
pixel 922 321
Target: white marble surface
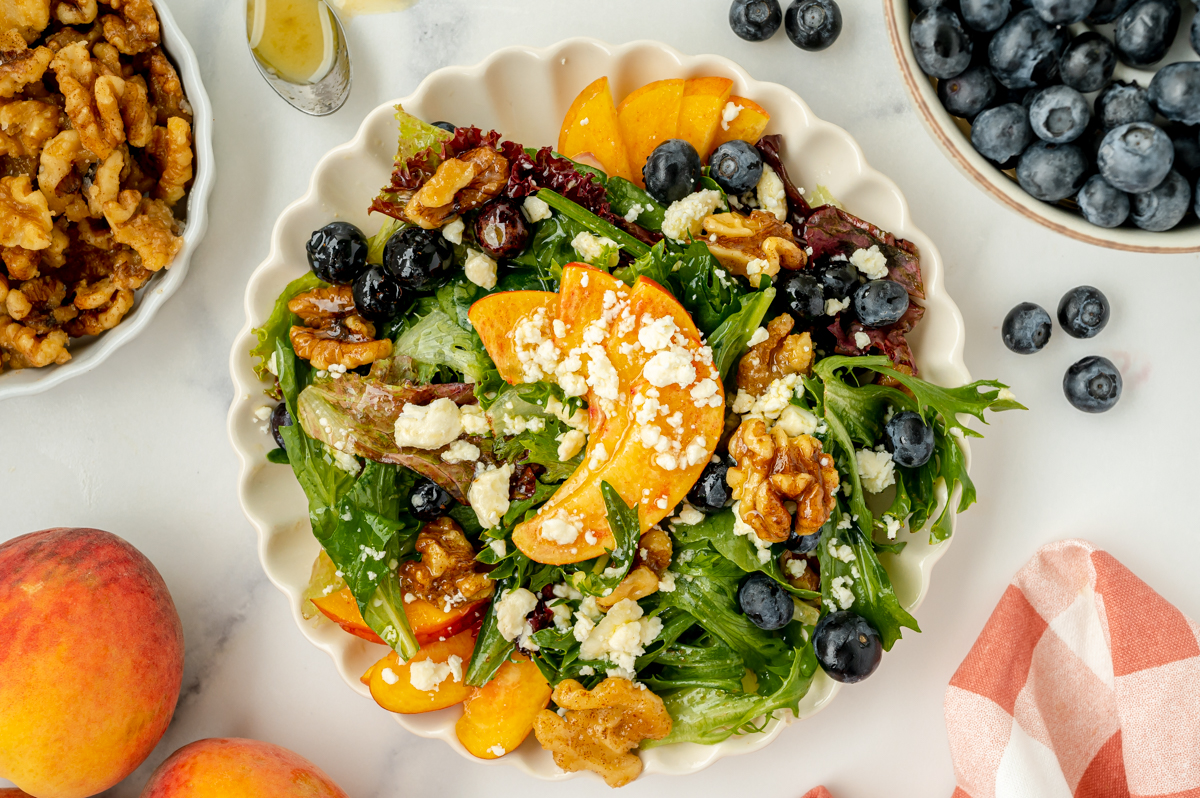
pixel 138 446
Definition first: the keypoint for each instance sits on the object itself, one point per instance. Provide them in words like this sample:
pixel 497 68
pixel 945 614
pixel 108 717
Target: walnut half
pixel 772 468
pixel 333 332
pixel 754 245
pixel 779 355
pixel 446 574
pixel 458 185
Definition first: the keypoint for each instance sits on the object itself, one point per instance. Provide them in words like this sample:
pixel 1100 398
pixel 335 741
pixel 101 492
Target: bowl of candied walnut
pixel 105 171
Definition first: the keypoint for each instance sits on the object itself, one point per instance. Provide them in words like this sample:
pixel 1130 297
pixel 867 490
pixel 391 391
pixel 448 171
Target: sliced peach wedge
pixel 498 717
pixel 498 318
pixel 391 680
pixel 591 127
pixel 649 116
pixel 341 608
pixel 748 125
pixel 700 111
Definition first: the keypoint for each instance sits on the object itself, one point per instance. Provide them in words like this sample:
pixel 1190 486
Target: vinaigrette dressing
pixel 296 39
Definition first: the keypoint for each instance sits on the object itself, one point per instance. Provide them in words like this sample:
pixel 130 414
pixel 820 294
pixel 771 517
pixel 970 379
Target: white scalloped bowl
pixel 88 353
pixel 524 93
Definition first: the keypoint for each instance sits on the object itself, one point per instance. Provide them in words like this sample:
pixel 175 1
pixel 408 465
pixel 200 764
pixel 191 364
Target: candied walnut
pixel 601 728
pixel 41 295
pixel 64 38
pixel 57 176
pixel 27 18
pixel 54 256
pixel 19 66
pixel 800 571
pixel 652 559
pixel 22 263
pixel 136 30
pixel 147 226
pixel 334 333
pixel 74 61
pixel 165 87
pixel 137 113
pixel 778 356
pixel 771 468
pixel 24 216
pixel 28 349
pixel 753 245
pixel 171 149
pixel 333 302
pixel 105 183
pixel 25 126
pixel 96 114
pixel 446 574
pixel 458 185
pixel 104 317
pixel 75 12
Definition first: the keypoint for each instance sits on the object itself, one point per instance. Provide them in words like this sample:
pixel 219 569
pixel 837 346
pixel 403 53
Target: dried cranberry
pixel 501 230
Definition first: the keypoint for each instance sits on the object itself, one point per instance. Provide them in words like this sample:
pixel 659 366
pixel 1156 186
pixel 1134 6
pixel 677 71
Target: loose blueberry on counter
pixel 1002 134
pixel 1026 328
pixel 736 166
pixel 909 439
pixel 966 95
pixel 1175 91
pixel 672 171
pixel 755 20
pixel 280 417
pixel 1093 384
pixel 813 25
pixel 1122 103
pixel 1059 114
pixel 429 500
pixel 985 16
pixel 1163 206
pixel 1088 62
pixel 711 492
pixel 1108 10
pixel 940 43
pixel 337 253
pixel 446 126
pixel 377 295
pixel 416 256
pixel 765 602
pixel 1145 32
pixel 803 296
pixel 1101 204
pixel 847 647
pixel 500 229
pixel 1051 172
pixel 1083 312
pixel 839 280
pixel 1135 157
pixel 1063 12
pixel 878 303
pixel 1024 53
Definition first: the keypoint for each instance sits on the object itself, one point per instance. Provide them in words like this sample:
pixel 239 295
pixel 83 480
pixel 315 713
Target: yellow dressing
pixel 296 39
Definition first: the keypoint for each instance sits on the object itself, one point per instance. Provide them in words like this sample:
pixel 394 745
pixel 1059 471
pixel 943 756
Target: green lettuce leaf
pixel 279 323
pixel 438 339
pixel 729 341
pixel 717 529
pixel 593 223
pixel 623 195
pixel 627 531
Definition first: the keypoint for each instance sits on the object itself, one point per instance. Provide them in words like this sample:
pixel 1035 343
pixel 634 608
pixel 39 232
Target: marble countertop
pixel 138 446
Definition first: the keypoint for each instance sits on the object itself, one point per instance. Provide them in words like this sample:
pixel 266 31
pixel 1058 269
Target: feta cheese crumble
pixel 682 220
pixel 498 547
pixel 836 306
pixel 535 209
pixel 430 426
pixel 480 269
pixel 561 529
pixel 771 195
pixel 621 637
pixel 870 262
pixel 426 675
pixel 730 113
pixel 759 336
pixel 600 251
pixel 671 367
pixel 488 495
pixel 461 452
pixel 876 470
pixel 862 340
pixel 474 421
pixel 511 612
pixel 453 231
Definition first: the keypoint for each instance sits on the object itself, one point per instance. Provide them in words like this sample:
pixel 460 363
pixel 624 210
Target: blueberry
pixel 847 647
pixel 1088 62
pixel 803 544
pixel 765 602
pixel 429 501
pixel 1121 103
pixel 736 166
pixel 1175 92
pixel 416 256
pixel 672 171
pixel 985 16
pixel 803 297
pixel 917 6
pixel 1108 10
pixel 1059 114
pixel 1051 172
pixel 1093 384
pixel 446 126
pixel 755 20
pixel 1194 38
pixel 1187 153
pixel 909 439
pixel 1083 312
pixel 1026 328
pixel 1144 33
pixel 1001 134
pixel 711 492
pixel 500 229
pixel 1025 51
pixel 280 417
pixel 839 279
pixel 940 43
pixel 813 24
pixel 879 303
pixel 377 295
pixel 1063 12
pixel 968 94
pixel 1103 205
pixel 337 253
pixel 1135 157
pixel 1164 206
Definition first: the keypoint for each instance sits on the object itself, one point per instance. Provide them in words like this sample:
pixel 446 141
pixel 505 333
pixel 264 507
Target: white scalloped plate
pixel 524 93
pixel 88 353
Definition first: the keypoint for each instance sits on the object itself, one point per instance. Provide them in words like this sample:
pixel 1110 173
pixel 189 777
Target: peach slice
pixel 341 608
pixel 591 127
pixel 391 682
pixel 748 125
pixel 431 623
pixel 649 116
pixel 496 317
pixel 498 717
pixel 700 111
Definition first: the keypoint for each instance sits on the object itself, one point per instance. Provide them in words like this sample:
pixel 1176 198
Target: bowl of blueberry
pixel 1079 114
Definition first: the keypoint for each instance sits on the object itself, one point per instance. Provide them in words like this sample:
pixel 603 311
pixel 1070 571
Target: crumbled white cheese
pixel 498 547
pixel 696 451
pixel 1005 395
pixel 480 269
pixel 599 457
pixel 598 251
pixel 497 750
pixel 511 612
pixel 875 469
pixel 583 122
pixel 740 527
pixel 743 403
pixel 774 400
pixel 797 421
pixel 759 336
pixel 453 231
pixel 730 113
pixel 621 637
pixel 264 412
pixel 576 420
pixel 755 269
pixel 461 452
pixel 870 262
pixel 537 354
pixel 671 367
pixel 656 334
pixel 430 426
pixel 561 529
pixel 569 444
pixel 428 674
pixel 666 582
pixel 488 495
pixel 862 340
pixel 836 306
pixel 840 589
pixel 682 220
pixel 772 197
pixel 635 210
pixel 474 421
pixel 893 526
pixel 535 209
pixel 389 676
pixel 840 551
pixel 688 515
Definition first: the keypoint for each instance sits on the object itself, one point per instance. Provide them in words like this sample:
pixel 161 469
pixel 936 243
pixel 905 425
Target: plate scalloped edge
pixel 273 501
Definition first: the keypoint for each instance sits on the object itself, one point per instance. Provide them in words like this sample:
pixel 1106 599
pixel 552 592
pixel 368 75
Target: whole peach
pixel 91 661
pixel 235 768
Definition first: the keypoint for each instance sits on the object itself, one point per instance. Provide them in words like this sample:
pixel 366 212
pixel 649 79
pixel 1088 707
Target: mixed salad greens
pixel 708 639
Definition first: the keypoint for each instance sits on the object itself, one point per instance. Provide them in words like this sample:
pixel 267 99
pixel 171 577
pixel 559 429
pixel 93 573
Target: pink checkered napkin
pixel 1084 684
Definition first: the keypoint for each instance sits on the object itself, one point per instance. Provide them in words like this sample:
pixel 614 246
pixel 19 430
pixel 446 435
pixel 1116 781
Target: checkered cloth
pixel 1084 684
